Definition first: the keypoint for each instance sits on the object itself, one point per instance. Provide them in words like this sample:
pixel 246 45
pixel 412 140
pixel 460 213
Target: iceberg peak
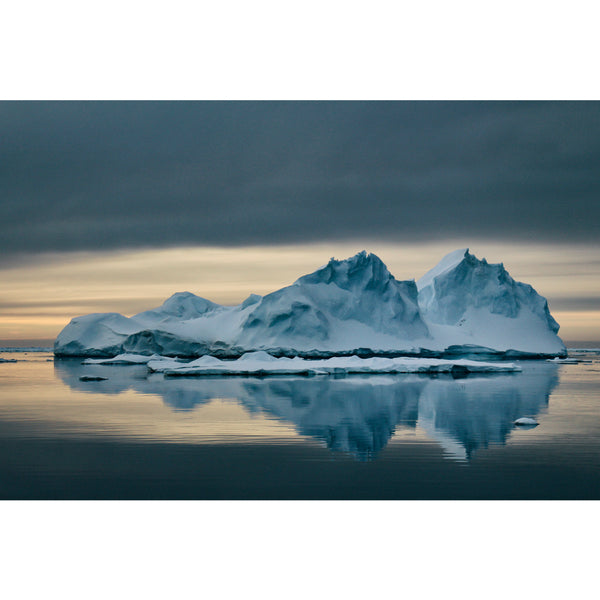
pixel 450 261
pixel 181 305
pixel 361 271
pixel 330 305
pixel 469 293
pixel 250 300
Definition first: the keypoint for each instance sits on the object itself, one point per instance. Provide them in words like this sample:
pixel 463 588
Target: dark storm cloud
pixel 90 175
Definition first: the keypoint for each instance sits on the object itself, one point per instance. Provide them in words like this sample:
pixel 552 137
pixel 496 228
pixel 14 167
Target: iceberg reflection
pixel 463 416
pixel 357 415
pixel 353 415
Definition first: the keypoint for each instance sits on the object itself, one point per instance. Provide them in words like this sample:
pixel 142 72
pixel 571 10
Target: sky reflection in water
pixel 142 436
pixel 357 415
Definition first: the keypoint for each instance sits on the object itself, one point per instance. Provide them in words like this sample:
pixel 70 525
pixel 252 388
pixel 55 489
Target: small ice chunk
pixel 563 361
pixel 92 378
pixel 527 421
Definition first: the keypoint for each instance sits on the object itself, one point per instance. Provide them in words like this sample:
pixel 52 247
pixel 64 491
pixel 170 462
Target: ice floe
pixel 262 363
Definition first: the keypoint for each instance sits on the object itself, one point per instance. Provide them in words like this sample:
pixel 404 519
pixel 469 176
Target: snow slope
pixel 463 306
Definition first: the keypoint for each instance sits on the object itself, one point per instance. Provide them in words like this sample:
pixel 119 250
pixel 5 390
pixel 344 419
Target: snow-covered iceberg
pixel 462 307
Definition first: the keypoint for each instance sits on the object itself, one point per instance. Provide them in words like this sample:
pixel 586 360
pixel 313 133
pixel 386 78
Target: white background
pixel 299 50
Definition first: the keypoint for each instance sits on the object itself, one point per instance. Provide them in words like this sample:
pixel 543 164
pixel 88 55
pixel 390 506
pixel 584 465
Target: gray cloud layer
pixel 86 175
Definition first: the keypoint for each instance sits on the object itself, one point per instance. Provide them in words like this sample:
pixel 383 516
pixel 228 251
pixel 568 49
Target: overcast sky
pixel 96 198
pixel 85 175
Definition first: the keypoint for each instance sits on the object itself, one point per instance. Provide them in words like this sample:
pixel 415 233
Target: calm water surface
pixel 136 436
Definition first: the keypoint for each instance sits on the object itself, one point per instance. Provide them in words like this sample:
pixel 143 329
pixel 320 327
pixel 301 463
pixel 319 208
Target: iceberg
pixel 462 308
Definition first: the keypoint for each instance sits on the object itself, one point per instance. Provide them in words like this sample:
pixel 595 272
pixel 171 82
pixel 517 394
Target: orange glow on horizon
pixel 40 298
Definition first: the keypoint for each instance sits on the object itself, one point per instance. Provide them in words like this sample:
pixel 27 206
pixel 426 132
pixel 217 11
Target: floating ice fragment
pixel 563 361
pixel 122 359
pixel 526 421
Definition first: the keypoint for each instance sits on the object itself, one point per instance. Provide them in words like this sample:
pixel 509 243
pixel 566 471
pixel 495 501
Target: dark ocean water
pixel 140 436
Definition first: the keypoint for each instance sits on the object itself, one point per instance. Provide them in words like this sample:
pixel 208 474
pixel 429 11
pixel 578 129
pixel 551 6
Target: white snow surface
pixel 262 363
pixel 122 359
pixel 344 306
